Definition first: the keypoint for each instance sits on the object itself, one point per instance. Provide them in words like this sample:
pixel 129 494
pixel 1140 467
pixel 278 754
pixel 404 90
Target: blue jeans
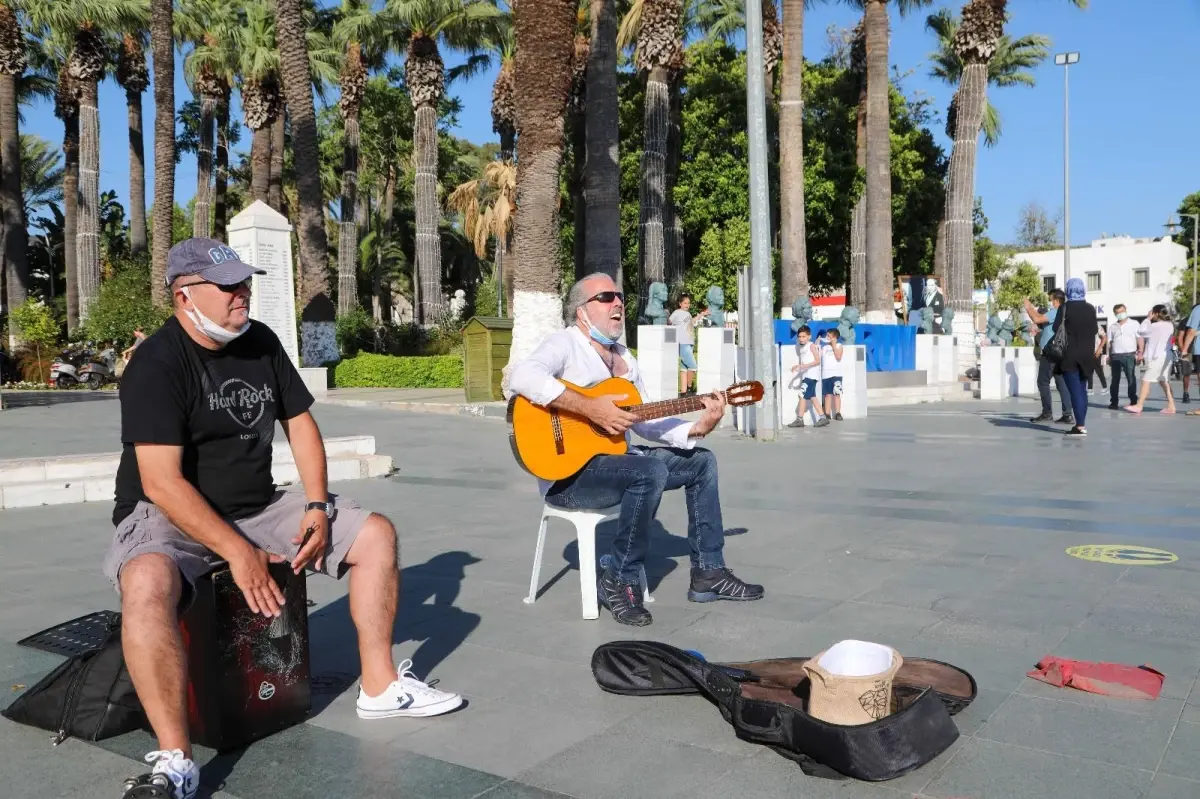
pixel 1077 387
pixel 636 483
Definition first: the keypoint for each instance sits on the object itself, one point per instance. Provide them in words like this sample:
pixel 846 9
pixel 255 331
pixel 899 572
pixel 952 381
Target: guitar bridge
pixel 556 426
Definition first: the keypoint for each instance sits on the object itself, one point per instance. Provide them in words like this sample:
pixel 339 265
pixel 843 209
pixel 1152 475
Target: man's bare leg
pixel 374 590
pixel 153 648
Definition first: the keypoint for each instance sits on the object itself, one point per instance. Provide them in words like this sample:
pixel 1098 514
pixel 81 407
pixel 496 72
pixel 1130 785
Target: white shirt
pixel 682 320
pixel 568 355
pixel 1123 336
pixel 830 365
pixel 1158 337
pixel 808 355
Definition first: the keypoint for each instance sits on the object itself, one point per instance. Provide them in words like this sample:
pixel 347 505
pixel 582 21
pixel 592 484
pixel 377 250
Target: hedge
pixel 392 371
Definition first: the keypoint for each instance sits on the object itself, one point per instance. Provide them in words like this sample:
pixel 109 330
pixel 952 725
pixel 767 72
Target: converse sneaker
pixel 172 772
pixel 713 584
pixel 406 696
pixel 624 600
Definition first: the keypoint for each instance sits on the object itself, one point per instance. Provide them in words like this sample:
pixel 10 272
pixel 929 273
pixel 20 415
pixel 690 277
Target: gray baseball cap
pixel 208 259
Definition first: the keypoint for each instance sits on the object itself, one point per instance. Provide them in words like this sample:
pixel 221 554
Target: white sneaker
pixel 183 773
pixel 407 696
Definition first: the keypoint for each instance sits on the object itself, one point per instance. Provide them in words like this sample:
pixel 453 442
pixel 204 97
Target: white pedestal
pixel 994 378
pixel 968 349
pixel 927 357
pixel 1027 372
pixel 854 382
pixel 316 380
pixel 658 359
pixel 716 358
pixel 945 353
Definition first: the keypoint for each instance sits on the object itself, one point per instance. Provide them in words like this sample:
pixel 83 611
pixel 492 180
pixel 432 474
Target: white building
pixel 1140 273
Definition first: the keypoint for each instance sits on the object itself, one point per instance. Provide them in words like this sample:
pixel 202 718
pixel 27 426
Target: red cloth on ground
pixel 1110 679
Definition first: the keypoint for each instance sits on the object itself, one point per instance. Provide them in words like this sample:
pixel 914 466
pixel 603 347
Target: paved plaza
pixel 940 530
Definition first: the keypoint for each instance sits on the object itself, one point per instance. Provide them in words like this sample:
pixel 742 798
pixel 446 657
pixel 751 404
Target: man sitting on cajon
pixel 194 488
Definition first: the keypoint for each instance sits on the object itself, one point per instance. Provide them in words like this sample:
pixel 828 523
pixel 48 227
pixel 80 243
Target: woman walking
pixel 1154 350
pixel 1079 361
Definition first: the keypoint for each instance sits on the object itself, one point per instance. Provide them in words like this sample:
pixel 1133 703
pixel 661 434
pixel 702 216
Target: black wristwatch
pixel 326 507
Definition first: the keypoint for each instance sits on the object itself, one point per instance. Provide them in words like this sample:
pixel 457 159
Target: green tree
pixel 1019 281
pixel 124 304
pixel 38 329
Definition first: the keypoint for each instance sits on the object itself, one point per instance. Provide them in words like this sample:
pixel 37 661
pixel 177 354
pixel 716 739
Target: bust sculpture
pixel 656 311
pixel 947 323
pixel 846 323
pixel 802 312
pixel 1000 331
pixel 715 300
pixel 924 320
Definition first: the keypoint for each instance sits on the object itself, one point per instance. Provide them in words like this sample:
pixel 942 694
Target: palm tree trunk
pixel 858 218
pixel 939 251
pixel 221 185
pixel 87 237
pixel 162 46
pixel 320 345
pixel 429 246
pixel 672 226
pixel 578 201
pixel 505 263
pixel 12 205
pixel 960 189
pixel 275 182
pixel 652 239
pixel 201 221
pixel 879 171
pixel 71 216
pixel 348 229
pixel 260 162
pixel 602 168
pixel 794 277
pixel 389 208
pixel 544 31
pixel 137 173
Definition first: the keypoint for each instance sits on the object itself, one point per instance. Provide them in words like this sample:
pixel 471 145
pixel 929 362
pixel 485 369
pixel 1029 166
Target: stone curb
pixel 481 410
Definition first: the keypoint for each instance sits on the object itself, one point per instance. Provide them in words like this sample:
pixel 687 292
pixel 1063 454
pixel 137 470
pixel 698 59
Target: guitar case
pixel 766 703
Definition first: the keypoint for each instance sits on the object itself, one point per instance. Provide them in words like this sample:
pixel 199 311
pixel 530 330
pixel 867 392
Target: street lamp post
pixel 1065 60
pixel 1172 227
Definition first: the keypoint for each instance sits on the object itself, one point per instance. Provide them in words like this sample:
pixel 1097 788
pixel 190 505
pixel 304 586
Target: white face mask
pixel 207 326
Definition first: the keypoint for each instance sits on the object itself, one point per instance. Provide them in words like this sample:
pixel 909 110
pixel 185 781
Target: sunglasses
pixel 228 288
pixel 607 297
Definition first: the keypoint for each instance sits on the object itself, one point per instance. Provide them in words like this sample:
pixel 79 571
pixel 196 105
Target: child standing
pixel 1154 342
pixel 810 372
pixel 831 373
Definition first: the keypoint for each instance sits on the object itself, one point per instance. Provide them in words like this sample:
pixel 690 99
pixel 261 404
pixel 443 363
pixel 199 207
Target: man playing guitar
pixel 586 353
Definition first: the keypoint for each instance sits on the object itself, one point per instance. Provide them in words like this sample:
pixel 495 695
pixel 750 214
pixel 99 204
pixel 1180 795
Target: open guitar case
pixel 766 702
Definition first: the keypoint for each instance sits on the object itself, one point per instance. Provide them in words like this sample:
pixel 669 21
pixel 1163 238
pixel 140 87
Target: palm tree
pixel 487 205
pixel 15 270
pixel 360 34
pixel 602 168
pixel 794 267
pixel 504 124
pixel 41 174
pixel 465 25
pixel 66 108
pixel 258 69
pixel 880 279
pixel 545 38
pixel 577 131
pixel 88 21
pixel 161 48
pixel 858 217
pixel 976 44
pixel 297 87
pixel 134 78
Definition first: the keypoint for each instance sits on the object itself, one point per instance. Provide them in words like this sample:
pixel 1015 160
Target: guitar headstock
pixel 745 393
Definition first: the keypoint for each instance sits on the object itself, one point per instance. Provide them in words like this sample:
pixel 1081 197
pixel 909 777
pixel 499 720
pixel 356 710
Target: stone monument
pixel 846 323
pixel 656 311
pixel 262 237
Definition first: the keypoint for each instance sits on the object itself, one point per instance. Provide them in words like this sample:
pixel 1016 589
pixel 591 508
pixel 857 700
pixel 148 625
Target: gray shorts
pixel 147 530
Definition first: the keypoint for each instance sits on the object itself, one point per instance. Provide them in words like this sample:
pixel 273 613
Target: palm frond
pixel 991 125
pixel 631 25
pixel 475 65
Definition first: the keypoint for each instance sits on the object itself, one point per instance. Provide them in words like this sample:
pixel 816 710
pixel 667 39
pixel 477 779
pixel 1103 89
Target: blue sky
pixel 1130 100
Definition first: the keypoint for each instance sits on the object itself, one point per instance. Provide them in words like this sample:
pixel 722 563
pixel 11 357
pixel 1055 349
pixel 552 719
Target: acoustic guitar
pixel 553 444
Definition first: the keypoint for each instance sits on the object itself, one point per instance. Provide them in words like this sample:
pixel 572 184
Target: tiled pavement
pixel 940 530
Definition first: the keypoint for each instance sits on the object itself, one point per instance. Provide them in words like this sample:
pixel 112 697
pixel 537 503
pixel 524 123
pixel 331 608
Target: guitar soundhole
pixel 556 426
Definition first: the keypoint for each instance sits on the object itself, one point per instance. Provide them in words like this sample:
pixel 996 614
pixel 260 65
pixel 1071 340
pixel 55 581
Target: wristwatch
pixel 326 507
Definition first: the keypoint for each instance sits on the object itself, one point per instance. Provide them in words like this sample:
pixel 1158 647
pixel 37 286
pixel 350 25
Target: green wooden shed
pixel 486 341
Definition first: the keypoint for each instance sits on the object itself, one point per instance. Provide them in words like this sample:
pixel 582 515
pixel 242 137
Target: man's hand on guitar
pixel 605 412
pixel 714 410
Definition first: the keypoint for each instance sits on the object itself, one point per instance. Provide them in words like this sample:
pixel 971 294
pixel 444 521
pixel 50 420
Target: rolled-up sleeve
pixel 536 377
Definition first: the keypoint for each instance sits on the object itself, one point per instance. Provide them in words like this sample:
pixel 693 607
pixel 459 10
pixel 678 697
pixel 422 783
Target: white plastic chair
pixel 585 522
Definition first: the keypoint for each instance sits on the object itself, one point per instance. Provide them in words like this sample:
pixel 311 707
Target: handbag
pixel 1056 347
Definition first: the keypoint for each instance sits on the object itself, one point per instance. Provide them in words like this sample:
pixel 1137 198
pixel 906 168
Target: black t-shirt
pixel 220 406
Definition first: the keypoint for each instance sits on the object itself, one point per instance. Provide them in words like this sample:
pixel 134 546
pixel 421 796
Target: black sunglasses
pixel 607 297
pixel 228 288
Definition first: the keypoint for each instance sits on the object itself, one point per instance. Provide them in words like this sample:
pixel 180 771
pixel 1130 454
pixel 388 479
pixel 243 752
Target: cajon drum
pixel 248 675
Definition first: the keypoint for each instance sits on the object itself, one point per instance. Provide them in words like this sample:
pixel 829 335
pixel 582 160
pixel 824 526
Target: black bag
pixel 89 696
pixel 766 703
pixel 1056 347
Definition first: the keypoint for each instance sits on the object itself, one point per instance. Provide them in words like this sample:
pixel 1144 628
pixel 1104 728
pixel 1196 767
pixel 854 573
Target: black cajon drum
pixel 248 674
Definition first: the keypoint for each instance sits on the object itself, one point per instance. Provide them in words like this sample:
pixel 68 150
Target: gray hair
pixel 577 297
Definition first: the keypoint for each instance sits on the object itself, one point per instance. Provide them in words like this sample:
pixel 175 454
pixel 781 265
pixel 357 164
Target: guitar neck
pixel 665 408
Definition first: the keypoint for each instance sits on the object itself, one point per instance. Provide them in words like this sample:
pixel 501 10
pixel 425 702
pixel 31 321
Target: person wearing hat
pixel 194 489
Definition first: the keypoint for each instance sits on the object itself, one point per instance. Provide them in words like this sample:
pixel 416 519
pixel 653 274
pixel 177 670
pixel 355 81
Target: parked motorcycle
pixel 64 372
pixel 99 370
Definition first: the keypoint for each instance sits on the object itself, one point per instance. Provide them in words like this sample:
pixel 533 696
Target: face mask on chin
pixel 597 335
pixel 208 327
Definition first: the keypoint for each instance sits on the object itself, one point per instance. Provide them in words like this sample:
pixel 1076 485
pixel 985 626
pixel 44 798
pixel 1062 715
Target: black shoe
pixel 1186 398
pixel 713 584
pixel 1077 431
pixel 1112 406
pixel 1044 417
pixel 624 600
pixel 796 423
pixel 1065 419
pixel 837 417
pixel 822 422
